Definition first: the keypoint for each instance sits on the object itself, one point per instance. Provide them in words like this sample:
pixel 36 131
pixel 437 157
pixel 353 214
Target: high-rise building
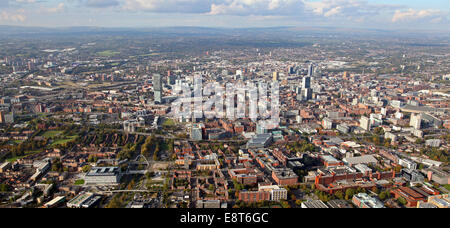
pixel 158 97
pixel 197 132
pixel 416 121
pixel 2 117
pixel 170 78
pixel 307 94
pixel 157 82
pixel 311 70
pixel 306 83
pixel 276 76
pixel 291 70
pixel 157 88
pixel 364 123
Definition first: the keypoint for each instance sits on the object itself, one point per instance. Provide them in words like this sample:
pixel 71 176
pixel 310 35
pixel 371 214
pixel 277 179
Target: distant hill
pixel 12 31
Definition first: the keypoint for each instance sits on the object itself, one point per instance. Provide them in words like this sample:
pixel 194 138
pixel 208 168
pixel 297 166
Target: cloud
pixel 26 1
pixel 349 8
pixel 8 3
pixel 259 7
pixel 57 9
pixel 214 7
pixel 168 6
pixel 333 12
pixel 98 3
pixel 414 15
pixel 16 16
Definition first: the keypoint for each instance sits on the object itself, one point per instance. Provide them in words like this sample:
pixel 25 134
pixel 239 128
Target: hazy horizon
pixel 370 14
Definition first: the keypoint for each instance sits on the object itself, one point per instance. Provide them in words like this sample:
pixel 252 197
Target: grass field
pixel 20 157
pixel 151 54
pixel 51 134
pixel 18 141
pixel 447 186
pixel 64 140
pixel 168 123
pixel 79 182
pixel 108 53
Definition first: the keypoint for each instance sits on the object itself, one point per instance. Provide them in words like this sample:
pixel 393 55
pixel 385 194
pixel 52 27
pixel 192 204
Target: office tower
pixel 291 70
pixel 157 82
pixel 276 76
pixel 306 88
pixel 158 88
pixel 171 79
pixel 307 94
pixel 197 132
pixel 416 121
pixel 306 83
pixel 311 70
pixel 364 123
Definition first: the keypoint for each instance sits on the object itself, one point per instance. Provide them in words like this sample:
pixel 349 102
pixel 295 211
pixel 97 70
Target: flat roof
pixel 315 204
pixel 103 171
pixel 362 159
pixel 329 158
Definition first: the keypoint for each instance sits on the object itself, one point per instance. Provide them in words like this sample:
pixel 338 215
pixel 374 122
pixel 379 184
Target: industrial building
pixel 103 176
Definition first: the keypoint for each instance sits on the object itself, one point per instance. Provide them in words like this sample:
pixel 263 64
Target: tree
pixel 382 195
pixel 92 158
pixel 4 188
pixel 402 201
pixel 285 204
pixel 375 190
pixel 376 140
pixel 349 193
pixel 57 166
pixel 379 131
pixel 86 168
pixel 339 195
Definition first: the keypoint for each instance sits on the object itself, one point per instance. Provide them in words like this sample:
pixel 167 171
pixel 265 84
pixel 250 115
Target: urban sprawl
pixel 89 122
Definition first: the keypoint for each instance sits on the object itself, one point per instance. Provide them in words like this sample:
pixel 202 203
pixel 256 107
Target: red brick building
pixel 285 177
pixel 254 196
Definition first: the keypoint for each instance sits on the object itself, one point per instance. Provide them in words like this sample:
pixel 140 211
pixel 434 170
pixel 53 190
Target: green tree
pixel 402 201
pixel 339 195
pixel 349 193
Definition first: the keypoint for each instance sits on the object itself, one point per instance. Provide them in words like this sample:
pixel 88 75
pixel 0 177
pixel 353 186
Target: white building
pixel 103 176
pixel 433 142
pixel 364 123
pixel 407 164
pixel 277 193
pixel 416 121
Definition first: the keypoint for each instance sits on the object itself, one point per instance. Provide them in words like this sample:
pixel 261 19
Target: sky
pixel 378 14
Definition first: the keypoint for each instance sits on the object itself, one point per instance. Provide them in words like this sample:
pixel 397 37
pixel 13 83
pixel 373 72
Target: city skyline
pixel 417 15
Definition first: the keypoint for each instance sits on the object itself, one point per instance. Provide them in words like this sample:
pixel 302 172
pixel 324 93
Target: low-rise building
pixel 440 201
pixel 363 200
pixel 314 204
pixel 285 177
pixel 103 176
